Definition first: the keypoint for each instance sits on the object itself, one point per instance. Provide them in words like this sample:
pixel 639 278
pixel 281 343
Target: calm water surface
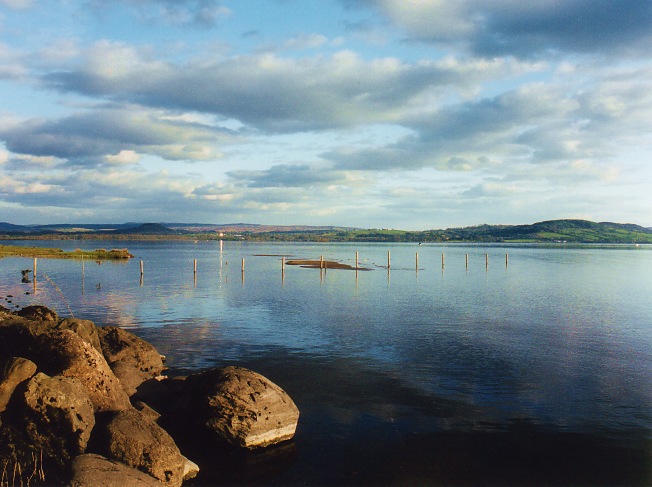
pixel 536 372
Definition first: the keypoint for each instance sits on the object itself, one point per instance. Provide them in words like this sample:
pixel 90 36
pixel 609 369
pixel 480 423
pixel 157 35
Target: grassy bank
pixel 52 253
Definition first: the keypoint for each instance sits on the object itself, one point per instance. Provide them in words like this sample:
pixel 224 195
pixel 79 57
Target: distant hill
pixel 556 231
pixel 148 229
pixel 9 227
pixel 552 231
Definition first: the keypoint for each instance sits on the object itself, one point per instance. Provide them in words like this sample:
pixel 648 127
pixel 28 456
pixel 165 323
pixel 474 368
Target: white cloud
pixel 17 4
pixel 94 136
pixel 270 92
pixel 517 28
pixel 123 157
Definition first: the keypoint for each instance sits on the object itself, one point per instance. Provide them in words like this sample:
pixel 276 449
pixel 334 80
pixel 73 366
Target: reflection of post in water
pixel 142 273
pixel 356 269
pixel 283 271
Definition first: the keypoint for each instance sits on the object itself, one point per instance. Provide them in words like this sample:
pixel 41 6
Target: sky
pixel 406 114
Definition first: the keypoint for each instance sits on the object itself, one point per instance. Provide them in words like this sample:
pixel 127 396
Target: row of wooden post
pixel 322 263
pixel 389 263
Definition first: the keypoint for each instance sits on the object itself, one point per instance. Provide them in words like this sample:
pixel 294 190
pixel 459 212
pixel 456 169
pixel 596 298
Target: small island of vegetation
pixel 53 253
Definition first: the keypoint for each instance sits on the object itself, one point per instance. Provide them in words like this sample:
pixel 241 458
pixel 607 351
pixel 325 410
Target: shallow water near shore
pixel 534 371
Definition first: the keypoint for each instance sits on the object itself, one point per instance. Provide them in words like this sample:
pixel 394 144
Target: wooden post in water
pixel 442 261
pixel 417 261
pixel 34 275
pixel 467 262
pixel 194 267
pixel 388 260
pixel 486 261
pixel 142 271
pixel 356 260
pixel 506 260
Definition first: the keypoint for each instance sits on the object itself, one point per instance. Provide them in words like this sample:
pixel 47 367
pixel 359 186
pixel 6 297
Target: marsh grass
pixel 14 475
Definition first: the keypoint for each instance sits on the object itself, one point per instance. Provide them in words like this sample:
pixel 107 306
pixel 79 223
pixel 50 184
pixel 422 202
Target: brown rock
pixel 150 414
pixel 15 371
pixel 58 415
pixel 97 471
pixel 66 353
pixel 190 469
pixel 132 359
pixel 244 408
pixel 38 313
pixel 133 440
pixel 84 328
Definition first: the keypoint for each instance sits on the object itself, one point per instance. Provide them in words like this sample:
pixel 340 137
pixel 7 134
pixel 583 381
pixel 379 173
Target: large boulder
pixel 131 358
pixel 12 373
pixel 63 352
pixel 133 440
pixel 92 470
pixel 242 407
pixel 58 416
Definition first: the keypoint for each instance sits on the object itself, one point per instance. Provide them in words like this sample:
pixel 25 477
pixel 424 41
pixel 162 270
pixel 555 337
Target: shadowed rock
pixel 132 359
pixel 17 336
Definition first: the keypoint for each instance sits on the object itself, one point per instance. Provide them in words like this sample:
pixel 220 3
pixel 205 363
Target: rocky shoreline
pixel 89 406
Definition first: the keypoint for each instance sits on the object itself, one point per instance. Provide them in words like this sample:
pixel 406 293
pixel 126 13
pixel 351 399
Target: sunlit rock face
pixel 66 353
pixel 244 408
